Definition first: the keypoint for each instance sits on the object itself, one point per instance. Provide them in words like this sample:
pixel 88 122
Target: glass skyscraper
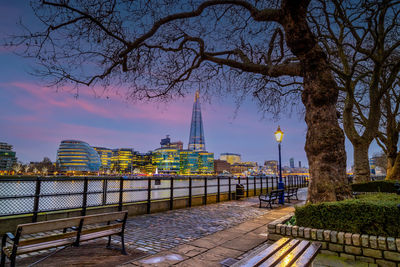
pixel 7 157
pixel 105 155
pixel 74 155
pixel 196 138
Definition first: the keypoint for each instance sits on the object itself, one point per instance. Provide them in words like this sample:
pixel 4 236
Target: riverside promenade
pixel 199 236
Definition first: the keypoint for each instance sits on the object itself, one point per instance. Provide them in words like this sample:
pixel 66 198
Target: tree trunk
pixel 394 172
pixel 325 139
pixel 361 163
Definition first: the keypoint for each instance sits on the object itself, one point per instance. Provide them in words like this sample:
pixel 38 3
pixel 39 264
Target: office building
pixel 75 155
pixel 121 161
pixel 231 158
pixel 166 159
pixel 143 162
pixel 291 161
pixel 299 164
pixel 189 162
pixel 7 157
pixel 221 166
pixel 105 155
pixel 196 138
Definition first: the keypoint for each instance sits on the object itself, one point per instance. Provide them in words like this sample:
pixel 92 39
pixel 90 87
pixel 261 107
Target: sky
pixel 35 118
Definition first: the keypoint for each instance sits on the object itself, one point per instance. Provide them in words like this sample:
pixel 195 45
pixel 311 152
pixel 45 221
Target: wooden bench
pixel 284 253
pixel 71 232
pixel 291 192
pixel 271 197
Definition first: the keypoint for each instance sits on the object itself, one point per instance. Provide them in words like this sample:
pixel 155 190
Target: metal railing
pixel 34 195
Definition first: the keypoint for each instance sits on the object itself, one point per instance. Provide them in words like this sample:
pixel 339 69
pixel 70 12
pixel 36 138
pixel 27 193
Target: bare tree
pixel 361 40
pixel 161 49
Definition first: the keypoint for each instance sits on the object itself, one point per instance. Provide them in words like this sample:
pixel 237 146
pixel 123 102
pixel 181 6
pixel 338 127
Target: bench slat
pixel 31 228
pixel 257 259
pixel 43 239
pixel 41 246
pixel 98 218
pixel 294 254
pixel 308 256
pixel 276 257
pixel 101 228
pixel 95 235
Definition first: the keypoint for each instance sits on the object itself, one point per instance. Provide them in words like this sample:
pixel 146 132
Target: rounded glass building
pixel 74 155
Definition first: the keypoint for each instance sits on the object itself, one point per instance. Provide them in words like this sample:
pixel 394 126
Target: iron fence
pixel 34 195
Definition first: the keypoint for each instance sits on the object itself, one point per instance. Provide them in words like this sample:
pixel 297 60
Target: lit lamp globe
pixel 279 135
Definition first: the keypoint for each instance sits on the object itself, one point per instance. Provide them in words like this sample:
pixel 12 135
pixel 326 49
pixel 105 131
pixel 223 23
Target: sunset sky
pixel 35 118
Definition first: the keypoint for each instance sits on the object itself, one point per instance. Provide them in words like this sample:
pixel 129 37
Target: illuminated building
pixel 105 155
pixel 196 138
pixel 189 160
pixel 271 166
pixel 121 160
pixel 291 162
pixel 143 162
pixel 242 167
pixel 231 158
pixel 166 159
pixel 206 162
pixel 7 157
pixel 74 155
pixel 221 166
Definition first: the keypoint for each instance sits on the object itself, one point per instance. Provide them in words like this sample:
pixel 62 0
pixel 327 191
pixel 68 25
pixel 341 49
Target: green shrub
pixel 375 186
pixel 375 214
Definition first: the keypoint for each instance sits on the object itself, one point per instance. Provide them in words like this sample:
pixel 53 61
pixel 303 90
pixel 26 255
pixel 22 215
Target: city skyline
pixel 36 118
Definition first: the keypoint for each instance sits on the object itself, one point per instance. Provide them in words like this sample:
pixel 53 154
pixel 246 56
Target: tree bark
pixel 393 171
pixel 361 163
pixel 325 139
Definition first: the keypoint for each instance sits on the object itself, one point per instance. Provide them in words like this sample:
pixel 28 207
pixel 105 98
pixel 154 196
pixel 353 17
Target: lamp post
pixel 281 185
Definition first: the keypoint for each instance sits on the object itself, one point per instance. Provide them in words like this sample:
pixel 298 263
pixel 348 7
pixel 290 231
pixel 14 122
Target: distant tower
pixel 291 162
pixel 196 138
pixel 299 164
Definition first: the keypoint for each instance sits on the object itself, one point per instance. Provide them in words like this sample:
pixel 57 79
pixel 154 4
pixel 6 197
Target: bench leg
pixel 109 242
pixel 3 259
pixel 123 245
pixel 12 260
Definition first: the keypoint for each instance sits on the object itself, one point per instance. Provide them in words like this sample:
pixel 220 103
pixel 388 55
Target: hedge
pixel 375 214
pixel 375 186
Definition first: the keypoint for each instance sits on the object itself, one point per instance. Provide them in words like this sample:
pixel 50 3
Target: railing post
pixel 261 185
pixel 276 181
pixel 205 190
pixel 218 189
pixel 247 186
pixel 190 191
pixel 121 188
pixel 36 200
pixel 266 181
pixel 255 186
pixel 229 190
pixel 84 197
pixel 148 195
pixel 171 196
pixel 105 183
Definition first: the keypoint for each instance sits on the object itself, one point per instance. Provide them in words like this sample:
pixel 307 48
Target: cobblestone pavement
pixel 153 233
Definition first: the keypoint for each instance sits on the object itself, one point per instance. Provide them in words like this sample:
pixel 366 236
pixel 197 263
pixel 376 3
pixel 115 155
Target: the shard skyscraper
pixel 196 139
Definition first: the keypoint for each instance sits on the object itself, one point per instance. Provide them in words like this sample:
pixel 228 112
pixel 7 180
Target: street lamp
pixel 281 185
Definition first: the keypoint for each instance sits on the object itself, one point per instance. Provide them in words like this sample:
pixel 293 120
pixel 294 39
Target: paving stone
pixel 389 255
pixel 383 263
pixel 301 234
pixel 295 231
pixel 348 256
pixel 382 243
pixel 307 233
pixel 365 259
pixel 314 234
pixel 352 250
pixel 336 247
pixel 320 235
pixel 372 253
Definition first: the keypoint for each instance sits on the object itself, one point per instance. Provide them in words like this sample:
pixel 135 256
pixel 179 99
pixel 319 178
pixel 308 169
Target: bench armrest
pixel 10 236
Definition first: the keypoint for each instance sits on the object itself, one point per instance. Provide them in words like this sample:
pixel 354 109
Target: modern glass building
pixel 74 155
pixel 105 155
pixel 7 157
pixel 122 160
pixel 143 162
pixel 196 138
pixel 189 162
pixel 166 159
pixel 206 162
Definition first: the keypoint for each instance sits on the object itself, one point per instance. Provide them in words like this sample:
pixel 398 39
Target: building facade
pixel 196 138
pixel 105 155
pixel 121 161
pixel 75 155
pixel 231 158
pixel 221 166
pixel 7 157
